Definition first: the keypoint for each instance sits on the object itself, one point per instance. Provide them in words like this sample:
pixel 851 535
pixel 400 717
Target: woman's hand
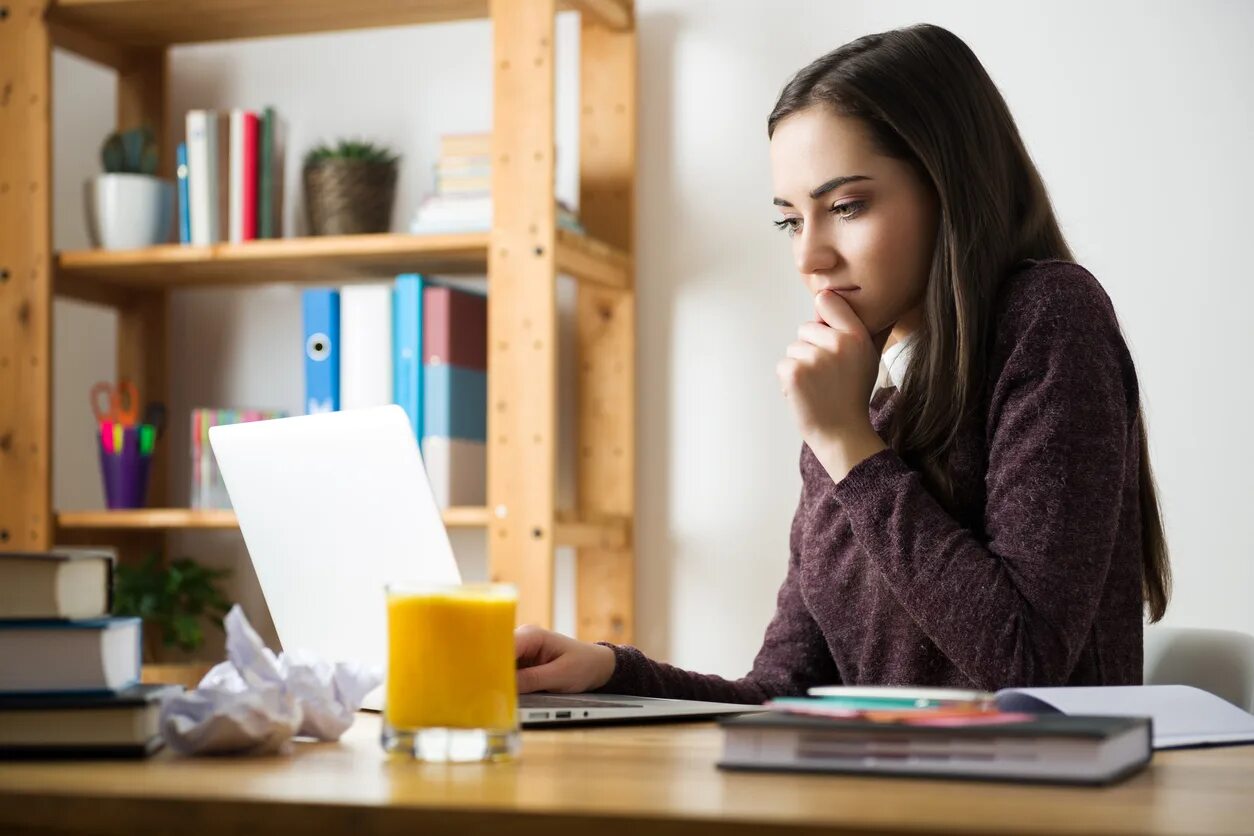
pixel 549 661
pixel 827 377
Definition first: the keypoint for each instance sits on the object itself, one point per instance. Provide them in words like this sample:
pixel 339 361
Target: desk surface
pixel 654 779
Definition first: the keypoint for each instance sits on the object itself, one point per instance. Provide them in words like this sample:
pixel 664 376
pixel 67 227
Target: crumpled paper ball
pixel 255 703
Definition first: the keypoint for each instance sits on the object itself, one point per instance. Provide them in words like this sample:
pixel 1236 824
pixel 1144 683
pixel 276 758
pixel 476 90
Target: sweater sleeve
pixel 793 656
pixel 1016 608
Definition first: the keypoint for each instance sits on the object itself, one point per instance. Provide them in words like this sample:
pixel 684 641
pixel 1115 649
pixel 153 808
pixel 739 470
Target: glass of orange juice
pixel 451 692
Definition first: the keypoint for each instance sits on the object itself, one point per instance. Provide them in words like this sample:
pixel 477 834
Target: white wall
pixel 1121 105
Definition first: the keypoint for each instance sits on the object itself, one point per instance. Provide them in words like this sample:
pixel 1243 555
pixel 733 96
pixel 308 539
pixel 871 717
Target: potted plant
pixel 174 599
pixel 129 206
pixel 349 188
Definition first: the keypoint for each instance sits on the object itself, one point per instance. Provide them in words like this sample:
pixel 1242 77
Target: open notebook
pixel 1183 716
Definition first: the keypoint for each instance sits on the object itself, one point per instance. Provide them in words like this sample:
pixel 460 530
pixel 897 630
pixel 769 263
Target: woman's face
pixel 861 223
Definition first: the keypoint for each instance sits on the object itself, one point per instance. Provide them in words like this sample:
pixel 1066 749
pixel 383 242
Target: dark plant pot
pixel 346 197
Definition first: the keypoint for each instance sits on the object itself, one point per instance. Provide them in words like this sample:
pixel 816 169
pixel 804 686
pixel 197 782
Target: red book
pixel 249 207
pixel 454 328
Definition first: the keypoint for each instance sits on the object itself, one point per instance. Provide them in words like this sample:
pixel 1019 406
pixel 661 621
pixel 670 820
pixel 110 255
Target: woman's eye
pixel 848 211
pixel 789 225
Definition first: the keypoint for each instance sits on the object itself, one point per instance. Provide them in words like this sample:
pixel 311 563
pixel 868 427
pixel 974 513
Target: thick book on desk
pixel 101 654
pixel 56 584
pixel 1053 749
pixel 125 724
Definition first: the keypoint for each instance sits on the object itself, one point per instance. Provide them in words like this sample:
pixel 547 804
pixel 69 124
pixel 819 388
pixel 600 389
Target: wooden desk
pixel 657 780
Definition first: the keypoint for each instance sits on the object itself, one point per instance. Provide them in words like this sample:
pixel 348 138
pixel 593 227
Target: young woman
pixel 991 520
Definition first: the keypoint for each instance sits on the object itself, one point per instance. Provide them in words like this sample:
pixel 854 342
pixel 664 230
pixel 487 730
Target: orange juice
pixel 451 658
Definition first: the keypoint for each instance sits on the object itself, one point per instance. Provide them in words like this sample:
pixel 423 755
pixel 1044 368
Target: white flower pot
pixel 127 211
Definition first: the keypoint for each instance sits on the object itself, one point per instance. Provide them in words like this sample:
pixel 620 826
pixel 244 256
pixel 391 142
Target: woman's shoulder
pixel 1055 314
pixel 1039 290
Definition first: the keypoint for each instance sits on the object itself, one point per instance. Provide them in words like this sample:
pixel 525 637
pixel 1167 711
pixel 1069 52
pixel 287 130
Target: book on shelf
pixel 366 345
pixel 445 214
pixel 1021 747
pixel 455 394
pixel 407 316
pixel 64 583
pixel 100 654
pixel 180 171
pixel 208 491
pixel 320 315
pixel 472 145
pixel 118 724
pixel 243 174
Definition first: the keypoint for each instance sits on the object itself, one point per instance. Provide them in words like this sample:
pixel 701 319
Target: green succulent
pixel 173 599
pixel 351 150
pixel 130 152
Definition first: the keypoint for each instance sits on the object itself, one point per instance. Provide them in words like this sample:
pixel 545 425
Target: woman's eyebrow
pixel 830 185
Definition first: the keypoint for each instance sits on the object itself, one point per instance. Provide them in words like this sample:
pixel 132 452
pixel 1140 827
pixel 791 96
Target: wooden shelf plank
pixel 157 519
pixel 333 258
pixel 592 262
pixel 146 519
pixel 151 23
pixel 111 277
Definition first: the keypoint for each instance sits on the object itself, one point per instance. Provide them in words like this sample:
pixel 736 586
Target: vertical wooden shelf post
pixel 25 276
pixel 605 585
pixel 142 346
pixel 522 307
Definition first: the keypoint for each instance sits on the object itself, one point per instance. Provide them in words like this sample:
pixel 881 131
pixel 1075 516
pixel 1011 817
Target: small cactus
pixel 130 152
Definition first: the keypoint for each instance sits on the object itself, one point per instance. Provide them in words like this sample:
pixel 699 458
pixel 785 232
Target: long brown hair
pixel 926 99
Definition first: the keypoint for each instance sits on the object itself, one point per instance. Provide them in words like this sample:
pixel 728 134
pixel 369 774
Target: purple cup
pixel 125 474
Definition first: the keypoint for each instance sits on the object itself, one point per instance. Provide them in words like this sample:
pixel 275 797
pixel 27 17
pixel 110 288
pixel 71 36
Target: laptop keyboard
pixel 564 701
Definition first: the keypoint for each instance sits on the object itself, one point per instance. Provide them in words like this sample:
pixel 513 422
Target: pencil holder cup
pixel 124 471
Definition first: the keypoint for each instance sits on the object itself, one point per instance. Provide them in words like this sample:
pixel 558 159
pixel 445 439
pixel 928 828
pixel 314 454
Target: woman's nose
pixel 814 253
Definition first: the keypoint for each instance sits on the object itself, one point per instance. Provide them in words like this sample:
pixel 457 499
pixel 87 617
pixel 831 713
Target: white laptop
pixel 334 506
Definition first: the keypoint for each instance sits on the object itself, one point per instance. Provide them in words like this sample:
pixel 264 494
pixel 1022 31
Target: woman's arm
pixel 793 656
pixel 1017 609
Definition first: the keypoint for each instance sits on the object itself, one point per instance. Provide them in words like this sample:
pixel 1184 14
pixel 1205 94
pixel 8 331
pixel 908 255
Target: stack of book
pixel 208 491
pixel 230 177
pixel 937 732
pixel 462 200
pixel 417 344
pixel 69 673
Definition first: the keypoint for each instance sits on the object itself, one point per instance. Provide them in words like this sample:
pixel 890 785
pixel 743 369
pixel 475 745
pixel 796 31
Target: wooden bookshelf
pixel 112 277
pixel 522 256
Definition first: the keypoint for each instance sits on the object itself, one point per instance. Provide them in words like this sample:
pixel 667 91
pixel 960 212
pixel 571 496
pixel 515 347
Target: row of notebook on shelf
pixel 410 342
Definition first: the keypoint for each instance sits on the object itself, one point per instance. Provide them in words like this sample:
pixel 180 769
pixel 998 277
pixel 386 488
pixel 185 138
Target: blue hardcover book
pixel 87 655
pixel 456 403
pixel 321 310
pixel 185 218
pixel 407 386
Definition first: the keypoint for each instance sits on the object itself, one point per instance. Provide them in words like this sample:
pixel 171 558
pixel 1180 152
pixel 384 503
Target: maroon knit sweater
pixel 1034 579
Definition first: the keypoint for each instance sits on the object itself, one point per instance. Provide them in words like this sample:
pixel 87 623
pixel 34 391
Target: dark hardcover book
pixel 124 724
pixel 66 583
pixel 1047 748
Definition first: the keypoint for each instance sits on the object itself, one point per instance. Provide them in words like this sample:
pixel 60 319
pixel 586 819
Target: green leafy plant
pixel 351 150
pixel 130 152
pixel 174 599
